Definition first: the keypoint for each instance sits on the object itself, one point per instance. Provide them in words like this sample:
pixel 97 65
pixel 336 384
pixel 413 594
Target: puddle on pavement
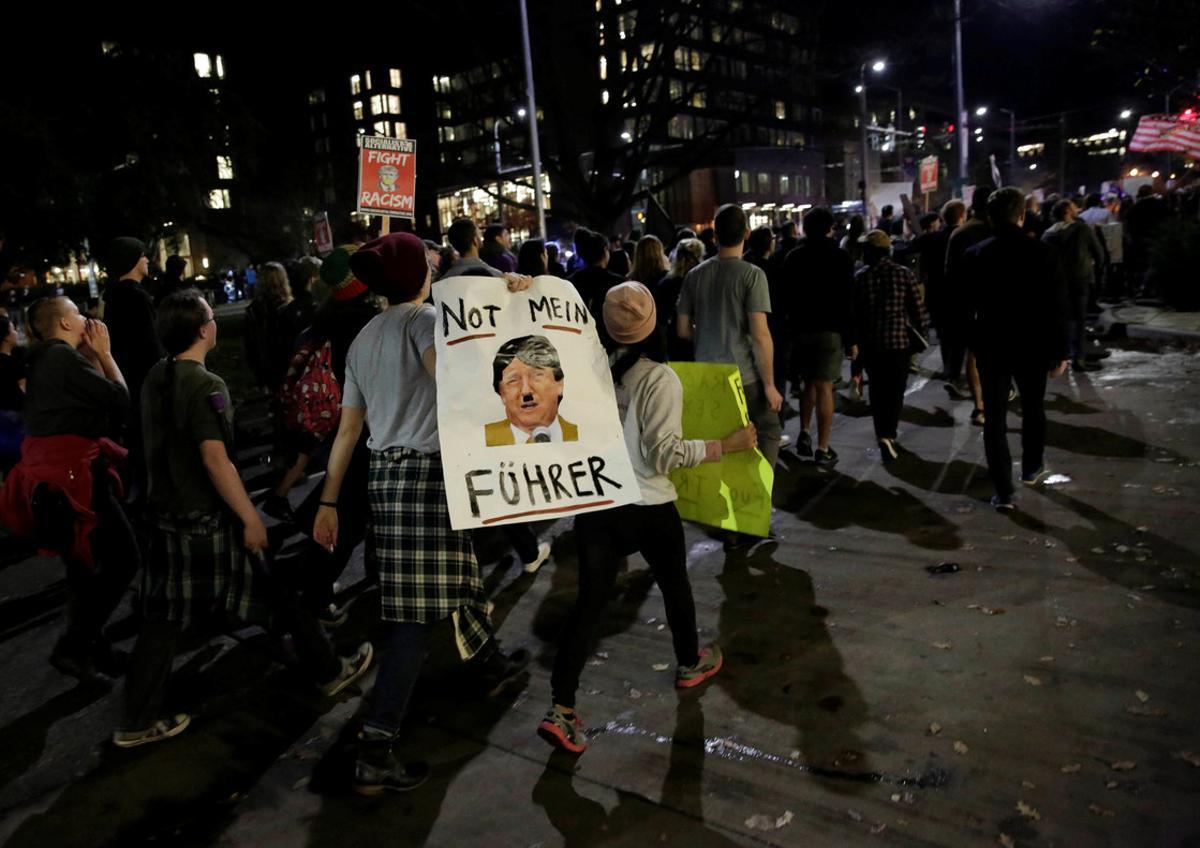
pixel 730 749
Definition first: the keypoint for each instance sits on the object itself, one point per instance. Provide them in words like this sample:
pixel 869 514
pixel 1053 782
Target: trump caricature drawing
pixel 528 377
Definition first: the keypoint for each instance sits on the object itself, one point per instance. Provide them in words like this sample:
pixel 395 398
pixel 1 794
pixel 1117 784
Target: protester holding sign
pixel 427 570
pixel 650 399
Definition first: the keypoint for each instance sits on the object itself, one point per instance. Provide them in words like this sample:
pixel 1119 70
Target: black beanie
pixel 123 254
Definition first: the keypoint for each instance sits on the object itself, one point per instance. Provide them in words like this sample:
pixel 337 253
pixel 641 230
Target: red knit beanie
pixel 392 266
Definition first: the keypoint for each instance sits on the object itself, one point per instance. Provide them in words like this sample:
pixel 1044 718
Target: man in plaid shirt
pixel 887 303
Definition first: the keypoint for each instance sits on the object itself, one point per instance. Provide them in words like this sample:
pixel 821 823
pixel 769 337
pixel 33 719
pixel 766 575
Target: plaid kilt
pixel 427 570
pixel 198 569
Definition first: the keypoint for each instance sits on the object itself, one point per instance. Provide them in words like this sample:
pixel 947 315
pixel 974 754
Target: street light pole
pixel 862 102
pixel 959 97
pixel 538 199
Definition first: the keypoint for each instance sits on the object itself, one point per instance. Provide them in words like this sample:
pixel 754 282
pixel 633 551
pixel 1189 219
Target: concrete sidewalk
pixel 1158 323
pixel 1042 694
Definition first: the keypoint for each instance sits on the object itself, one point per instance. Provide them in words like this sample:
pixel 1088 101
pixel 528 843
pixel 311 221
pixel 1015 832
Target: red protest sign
pixel 929 173
pixel 322 234
pixel 387 176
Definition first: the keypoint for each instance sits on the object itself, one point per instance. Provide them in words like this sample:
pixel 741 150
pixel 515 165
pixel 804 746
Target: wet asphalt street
pixel 1042 694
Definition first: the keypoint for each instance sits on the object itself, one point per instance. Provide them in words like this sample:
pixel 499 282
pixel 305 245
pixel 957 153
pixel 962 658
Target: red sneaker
pixel 710 662
pixel 563 732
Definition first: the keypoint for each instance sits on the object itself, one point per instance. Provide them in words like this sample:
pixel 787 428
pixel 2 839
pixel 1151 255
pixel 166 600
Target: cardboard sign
pixel 322 233
pixel 929 173
pixel 527 414
pixel 387 176
pixel 735 493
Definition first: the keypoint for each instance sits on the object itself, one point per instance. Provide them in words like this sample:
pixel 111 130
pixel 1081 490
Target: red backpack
pixel 310 399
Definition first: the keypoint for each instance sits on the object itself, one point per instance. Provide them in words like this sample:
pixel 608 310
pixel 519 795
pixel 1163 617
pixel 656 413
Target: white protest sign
pixel 526 410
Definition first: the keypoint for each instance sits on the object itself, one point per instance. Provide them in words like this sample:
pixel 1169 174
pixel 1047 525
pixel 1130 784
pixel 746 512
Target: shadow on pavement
pixel 956 476
pixel 830 500
pixel 446 733
pixel 784 665
pixel 188 784
pixel 1168 567
pixel 1067 405
pixel 23 740
pixel 677 819
pixel 632 587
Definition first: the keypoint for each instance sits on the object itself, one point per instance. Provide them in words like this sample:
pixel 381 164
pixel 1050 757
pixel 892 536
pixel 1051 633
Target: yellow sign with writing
pixel 735 493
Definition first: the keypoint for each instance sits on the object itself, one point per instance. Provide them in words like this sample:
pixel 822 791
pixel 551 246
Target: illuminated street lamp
pixel 1126 114
pixel 861 90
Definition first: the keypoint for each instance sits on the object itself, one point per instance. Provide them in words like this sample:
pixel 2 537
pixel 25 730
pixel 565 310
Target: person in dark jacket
pixel 1019 333
pixel 930 248
pixel 819 279
pixel 129 315
pixel 1079 255
pixel 172 279
pixel 77 400
pixel 350 307
pixel 595 279
pixel 496 248
pixel 956 315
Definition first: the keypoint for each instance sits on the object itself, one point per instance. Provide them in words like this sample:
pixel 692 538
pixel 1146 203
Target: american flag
pixel 1167 133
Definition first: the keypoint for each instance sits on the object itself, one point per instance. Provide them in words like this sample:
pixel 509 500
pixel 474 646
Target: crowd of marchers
pixel 119 439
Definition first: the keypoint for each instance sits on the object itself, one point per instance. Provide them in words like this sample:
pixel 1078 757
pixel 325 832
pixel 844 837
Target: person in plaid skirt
pixel 427 570
pixel 887 305
pixel 207 540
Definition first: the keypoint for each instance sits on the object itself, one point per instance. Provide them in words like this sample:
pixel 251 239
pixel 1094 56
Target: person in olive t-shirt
pixel 206 530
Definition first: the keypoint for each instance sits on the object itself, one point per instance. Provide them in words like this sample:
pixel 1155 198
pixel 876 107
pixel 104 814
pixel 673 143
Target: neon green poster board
pixel 735 493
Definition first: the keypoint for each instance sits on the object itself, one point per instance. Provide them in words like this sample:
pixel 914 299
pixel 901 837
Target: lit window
pixel 780 110
pixel 317 95
pixel 394 77
pixel 368 80
pixel 604 96
pixel 393 103
pixel 225 167
pixel 647 52
pixel 356 84
pixel 676 88
pixel 358 110
pixel 764 183
pixel 624 61
pixel 203 65
pixel 603 68
pixel 784 184
pixel 401 129
pixel 699 100
pixel 376 104
pixel 218 198
pixel 220 67
pixel 382 128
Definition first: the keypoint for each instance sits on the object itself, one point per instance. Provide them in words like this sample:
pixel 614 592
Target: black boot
pixel 497 669
pixel 75 660
pixel 377 769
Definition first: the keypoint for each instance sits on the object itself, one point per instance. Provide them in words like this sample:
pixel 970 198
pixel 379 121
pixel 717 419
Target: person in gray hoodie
pixel 650 400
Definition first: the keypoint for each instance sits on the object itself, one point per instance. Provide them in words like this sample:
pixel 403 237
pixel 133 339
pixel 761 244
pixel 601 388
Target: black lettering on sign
pixel 464 318
pixel 577 473
pixel 508 477
pixel 560 491
pixel 473 493
pixel 596 465
pixel 540 482
pixel 555 307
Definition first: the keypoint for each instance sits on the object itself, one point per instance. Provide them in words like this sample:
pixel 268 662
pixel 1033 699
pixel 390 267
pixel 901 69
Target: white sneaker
pixel 784 440
pixel 543 555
